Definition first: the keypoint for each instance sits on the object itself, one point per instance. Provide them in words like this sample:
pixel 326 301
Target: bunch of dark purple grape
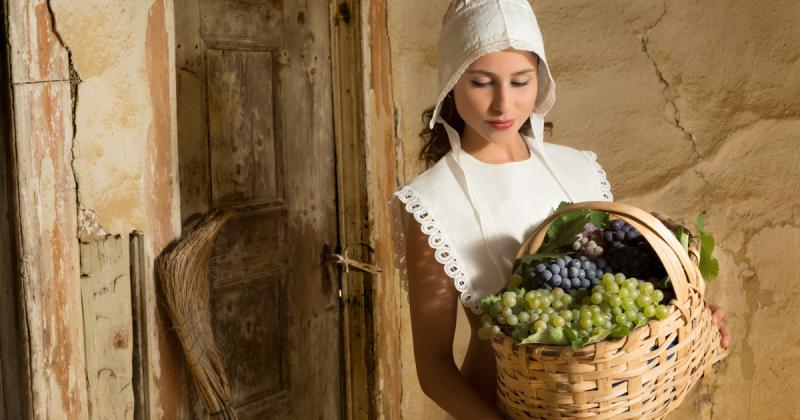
pixel 627 251
pixel 565 272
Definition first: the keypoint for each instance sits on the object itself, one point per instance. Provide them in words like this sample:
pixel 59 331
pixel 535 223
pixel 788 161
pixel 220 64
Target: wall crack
pixel 670 96
pixel 74 83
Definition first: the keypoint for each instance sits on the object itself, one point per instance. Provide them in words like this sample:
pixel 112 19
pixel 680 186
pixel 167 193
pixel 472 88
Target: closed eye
pixel 485 84
pixel 480 85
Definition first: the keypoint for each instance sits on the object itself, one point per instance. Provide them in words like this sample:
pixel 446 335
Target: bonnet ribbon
pixel 482 216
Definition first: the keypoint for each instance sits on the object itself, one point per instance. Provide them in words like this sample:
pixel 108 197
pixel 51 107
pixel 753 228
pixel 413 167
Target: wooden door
pixel 255 131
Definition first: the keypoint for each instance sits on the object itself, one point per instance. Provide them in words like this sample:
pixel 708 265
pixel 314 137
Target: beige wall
pixel 690 106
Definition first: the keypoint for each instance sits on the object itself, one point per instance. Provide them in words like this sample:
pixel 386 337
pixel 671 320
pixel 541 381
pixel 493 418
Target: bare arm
pixel 433 301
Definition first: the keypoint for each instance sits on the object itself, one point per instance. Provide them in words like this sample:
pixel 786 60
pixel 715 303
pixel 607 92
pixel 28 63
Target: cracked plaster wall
pixel 124 155
pixel 691 106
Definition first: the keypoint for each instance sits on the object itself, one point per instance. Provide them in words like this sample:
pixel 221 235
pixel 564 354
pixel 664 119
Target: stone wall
pixel 691 107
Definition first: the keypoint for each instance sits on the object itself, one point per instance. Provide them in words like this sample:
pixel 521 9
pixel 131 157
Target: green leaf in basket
pixel 600 335
pixel 665 283
pixel 557 335
pixel 619 331
pixel 488 302
pixel 683 237
pixel 541 256
pixel 577 343
pixel 549 335
pixel 539 337
pixel 709 265
pixel 571 334
pixel 562 231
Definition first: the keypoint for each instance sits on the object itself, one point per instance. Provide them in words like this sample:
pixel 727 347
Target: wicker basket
pixel 646 374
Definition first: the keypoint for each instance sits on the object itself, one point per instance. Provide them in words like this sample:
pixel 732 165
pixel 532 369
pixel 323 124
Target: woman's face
pixel 496 95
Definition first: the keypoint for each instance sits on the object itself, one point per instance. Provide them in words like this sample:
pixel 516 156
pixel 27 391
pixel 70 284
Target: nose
pixel 501 99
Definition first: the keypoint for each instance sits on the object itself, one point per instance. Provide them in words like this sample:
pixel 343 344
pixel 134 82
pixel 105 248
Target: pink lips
pixel 502 124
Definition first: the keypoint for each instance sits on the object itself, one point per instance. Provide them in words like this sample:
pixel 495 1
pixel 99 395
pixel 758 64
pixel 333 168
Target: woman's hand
pixel 716 318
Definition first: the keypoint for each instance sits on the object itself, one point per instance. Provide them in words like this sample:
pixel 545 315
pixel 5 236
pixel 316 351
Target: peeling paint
pixel 88 225
pixel 118 67
pixel 162 207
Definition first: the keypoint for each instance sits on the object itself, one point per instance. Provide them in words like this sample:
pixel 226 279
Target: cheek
pixel 527 98
pixel 472 103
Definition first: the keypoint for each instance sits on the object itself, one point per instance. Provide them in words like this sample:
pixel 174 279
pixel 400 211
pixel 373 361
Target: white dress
pixel 517 197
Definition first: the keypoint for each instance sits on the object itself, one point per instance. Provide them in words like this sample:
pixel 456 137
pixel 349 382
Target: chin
pixel 502 136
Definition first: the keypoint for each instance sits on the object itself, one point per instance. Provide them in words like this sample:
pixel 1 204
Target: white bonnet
pixel 474 28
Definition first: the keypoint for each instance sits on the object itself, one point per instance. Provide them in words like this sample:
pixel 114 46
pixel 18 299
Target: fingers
pixel 717 315
pixel 726 335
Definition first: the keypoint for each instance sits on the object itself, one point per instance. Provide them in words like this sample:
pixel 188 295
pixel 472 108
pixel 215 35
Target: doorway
pixel 11 404
pixel 255 132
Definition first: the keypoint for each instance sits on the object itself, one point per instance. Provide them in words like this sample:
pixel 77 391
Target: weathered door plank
pixel 108 325
pixel 261 70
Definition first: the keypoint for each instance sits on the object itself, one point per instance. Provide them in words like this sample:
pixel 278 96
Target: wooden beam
pixel 381 164
pixel 45 189
pixel 346 57
pixel 364 120
pixel 141 364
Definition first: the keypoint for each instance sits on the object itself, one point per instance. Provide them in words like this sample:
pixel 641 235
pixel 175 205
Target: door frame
pixel 14 401
pixel 364 130
pixel 348 123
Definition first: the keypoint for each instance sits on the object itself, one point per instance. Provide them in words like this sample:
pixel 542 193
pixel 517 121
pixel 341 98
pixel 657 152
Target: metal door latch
pixel 345 260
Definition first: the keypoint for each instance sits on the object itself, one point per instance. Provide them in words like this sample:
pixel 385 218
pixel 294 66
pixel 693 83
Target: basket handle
pixel 683 273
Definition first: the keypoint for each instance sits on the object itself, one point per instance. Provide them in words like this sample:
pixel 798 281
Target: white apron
pixel 513 198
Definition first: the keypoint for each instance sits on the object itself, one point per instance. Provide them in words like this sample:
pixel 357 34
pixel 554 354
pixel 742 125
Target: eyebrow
pixel 488 73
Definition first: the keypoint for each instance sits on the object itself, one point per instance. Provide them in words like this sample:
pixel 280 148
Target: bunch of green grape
pixel 612 308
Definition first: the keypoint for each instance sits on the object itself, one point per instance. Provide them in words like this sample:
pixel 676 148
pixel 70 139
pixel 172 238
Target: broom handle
pixel 682 272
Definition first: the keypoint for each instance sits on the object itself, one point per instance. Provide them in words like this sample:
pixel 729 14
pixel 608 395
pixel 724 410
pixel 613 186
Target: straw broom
pixel 183 273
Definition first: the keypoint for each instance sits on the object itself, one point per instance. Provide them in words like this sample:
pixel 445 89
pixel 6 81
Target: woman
pixel 491 180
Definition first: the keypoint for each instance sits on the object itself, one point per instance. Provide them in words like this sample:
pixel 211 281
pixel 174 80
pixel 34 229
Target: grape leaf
pixel 709 265
pixel 620 330
pixel 539 337
pixel 488 302
pixel 600 335
pixel 683 236
pixel 579 342
pixel 666 282
pixel 541 256
pixel 549 335
pixel 571 334
pixel 563 230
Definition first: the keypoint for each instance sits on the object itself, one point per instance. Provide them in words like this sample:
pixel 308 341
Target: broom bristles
pixel 183 273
